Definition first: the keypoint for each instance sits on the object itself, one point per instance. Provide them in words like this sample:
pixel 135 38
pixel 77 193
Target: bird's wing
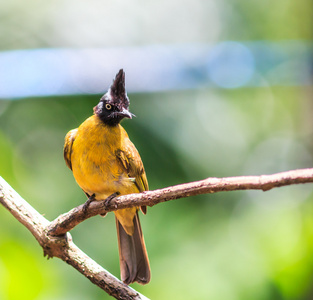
pixel 132 163
pixel 67 150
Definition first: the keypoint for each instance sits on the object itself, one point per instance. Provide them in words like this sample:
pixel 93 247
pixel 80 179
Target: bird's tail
pixel 134 263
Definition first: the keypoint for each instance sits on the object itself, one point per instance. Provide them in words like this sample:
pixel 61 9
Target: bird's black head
pixel 113 106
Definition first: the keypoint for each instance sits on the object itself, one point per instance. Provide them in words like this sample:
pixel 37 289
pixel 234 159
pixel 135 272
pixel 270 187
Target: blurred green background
pixel 235 245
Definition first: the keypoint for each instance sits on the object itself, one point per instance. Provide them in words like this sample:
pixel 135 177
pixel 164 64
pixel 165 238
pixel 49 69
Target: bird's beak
pixel 125 113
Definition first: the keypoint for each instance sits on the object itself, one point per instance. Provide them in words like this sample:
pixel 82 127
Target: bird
pixel 105 163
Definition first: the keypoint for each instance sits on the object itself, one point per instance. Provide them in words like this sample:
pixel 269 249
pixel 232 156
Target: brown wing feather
pixel 132 163
pixel 67 150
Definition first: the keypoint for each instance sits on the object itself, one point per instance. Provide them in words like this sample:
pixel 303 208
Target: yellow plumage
pixel 104 162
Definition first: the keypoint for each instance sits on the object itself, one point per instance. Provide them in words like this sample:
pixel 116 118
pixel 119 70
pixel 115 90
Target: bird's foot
pixel 107 202
pixel 110 198
pixel 87 203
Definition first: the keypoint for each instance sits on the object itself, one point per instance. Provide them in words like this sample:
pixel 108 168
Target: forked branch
pixel 63 246
pixel 56 241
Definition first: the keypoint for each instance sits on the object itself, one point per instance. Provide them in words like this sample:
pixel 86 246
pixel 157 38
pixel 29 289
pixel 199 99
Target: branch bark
pixel 57 242
pixel 69 220
pixel 62 246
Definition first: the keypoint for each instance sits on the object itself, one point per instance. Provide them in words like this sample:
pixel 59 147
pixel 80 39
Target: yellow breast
pixel 95 165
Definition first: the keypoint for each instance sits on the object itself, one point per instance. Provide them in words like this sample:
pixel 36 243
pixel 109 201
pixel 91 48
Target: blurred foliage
pixel 239 245
pixel 265 20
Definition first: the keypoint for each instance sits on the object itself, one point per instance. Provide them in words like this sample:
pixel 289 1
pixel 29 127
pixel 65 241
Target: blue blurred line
pixel 230 64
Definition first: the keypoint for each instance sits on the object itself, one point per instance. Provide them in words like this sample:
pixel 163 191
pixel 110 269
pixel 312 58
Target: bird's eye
pixel 108 106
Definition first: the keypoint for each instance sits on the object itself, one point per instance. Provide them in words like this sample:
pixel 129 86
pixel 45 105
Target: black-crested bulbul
pixel 104 161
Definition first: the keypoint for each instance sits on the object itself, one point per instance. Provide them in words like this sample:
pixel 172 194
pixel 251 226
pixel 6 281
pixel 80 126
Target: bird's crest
pixel 116 94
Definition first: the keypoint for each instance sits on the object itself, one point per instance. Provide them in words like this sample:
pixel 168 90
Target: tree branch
pixel 56 241
pixel 69 220
pixel 63 246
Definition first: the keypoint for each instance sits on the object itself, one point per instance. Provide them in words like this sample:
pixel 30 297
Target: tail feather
pixel 134 263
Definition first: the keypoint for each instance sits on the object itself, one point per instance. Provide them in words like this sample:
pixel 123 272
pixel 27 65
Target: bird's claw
pixel 87 203
pixel 110 198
